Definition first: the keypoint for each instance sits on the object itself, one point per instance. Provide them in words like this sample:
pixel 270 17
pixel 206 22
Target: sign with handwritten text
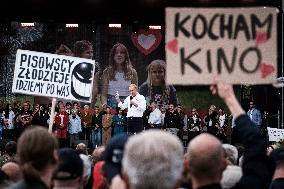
pixel 238 44
pixel 275 134
pixel 52 75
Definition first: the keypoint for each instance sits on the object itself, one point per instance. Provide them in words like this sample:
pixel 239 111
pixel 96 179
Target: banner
pixel 52 75
pixel 275 134
pixel 238 44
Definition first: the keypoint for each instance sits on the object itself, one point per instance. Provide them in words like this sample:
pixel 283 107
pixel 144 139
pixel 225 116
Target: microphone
pixel 131 97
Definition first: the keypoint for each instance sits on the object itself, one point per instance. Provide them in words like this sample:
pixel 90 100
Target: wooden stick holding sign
pixel 52 115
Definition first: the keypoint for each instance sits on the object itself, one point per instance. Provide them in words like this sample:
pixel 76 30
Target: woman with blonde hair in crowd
pixel 117 76
pixel 155 88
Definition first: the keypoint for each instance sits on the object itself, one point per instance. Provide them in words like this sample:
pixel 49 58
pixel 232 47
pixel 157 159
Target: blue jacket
pixel 255 116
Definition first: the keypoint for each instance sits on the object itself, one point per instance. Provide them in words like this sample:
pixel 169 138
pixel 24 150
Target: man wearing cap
pixel 136 105
pixel 70 170
pixel 113 155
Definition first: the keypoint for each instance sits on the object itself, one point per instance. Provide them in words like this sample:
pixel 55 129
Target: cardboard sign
pixel 275 134
pixel 52 75
pixel 238 44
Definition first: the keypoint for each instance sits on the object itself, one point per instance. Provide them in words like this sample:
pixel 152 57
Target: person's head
pixel 75 105
pixel 36 107
pixel 156 73
pixel 61 108
pixel 163 109
pixel 113 155
pixel 107 110
pixel 221 111
pixel 119 60
pixel 230 176
pixel 231 153
pixel 171 107
pixel 13 171
pixel 133 89
pixel 59 102
pixel 68 105
pixel 119 56
pixel 11 148
pixel 96 110
pixel 69 172
pixel 97 154
pixel 212 109
pixel 153 106
pixel 64 50
pixel 81 148
pixel 86 107
pixel 119 110
pixel 205 160
pixel 179 107
pixel 26 106
pixel 37 152
pixel 153 159
pixel 83 49
pixel 251 104
pixel 193 111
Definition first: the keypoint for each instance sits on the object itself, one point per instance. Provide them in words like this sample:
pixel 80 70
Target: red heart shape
pixel 261 37
pixel 146 41
pixel 266 69
pixel 173 45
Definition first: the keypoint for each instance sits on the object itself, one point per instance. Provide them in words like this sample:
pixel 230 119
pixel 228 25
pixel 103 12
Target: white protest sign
pixel 238 44
pixel 275 134
pixel 52 75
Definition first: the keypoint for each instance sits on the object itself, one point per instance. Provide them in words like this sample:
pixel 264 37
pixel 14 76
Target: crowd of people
pixel 147 159
pixel 98 125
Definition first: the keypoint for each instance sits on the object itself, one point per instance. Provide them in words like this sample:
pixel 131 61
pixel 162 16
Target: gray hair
pixel 231 153
pixel 153 159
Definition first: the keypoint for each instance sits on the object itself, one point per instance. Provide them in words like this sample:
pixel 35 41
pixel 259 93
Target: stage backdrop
pixel 145 48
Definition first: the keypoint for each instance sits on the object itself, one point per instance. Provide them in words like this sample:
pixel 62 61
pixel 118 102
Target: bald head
pixel 12 170
pixel 206 158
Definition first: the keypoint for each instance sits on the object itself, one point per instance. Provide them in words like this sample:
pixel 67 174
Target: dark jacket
pixel 24 185
pixel 257 167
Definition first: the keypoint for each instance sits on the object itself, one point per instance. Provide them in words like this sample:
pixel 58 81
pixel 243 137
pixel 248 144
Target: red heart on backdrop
pixel 173 45
pixel 266 69
pixel 146 41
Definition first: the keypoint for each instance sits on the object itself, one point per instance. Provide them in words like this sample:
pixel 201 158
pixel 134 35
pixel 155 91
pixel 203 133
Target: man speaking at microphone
pixel 136 105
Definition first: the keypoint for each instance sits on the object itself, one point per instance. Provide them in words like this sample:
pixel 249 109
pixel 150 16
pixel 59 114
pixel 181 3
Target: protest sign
pixel 238 44
pixel 52 75
pixel 275 134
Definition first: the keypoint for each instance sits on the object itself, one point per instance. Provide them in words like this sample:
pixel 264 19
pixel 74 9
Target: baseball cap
pixel 278 154
pixel 113 155
pixel 70 165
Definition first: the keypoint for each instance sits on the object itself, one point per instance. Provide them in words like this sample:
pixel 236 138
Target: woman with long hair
pixel 155 88
pixel 117 76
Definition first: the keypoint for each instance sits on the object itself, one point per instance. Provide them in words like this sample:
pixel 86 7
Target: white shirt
pixel 222 119
pixel 132 110
pixel 155 117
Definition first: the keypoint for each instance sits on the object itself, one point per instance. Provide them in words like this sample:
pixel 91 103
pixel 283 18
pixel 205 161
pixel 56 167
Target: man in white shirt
pixel 136 105
pixel 155 117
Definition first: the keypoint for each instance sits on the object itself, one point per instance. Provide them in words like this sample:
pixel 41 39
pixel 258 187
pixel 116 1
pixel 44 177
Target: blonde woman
pixel 155 88
pixel 117 76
